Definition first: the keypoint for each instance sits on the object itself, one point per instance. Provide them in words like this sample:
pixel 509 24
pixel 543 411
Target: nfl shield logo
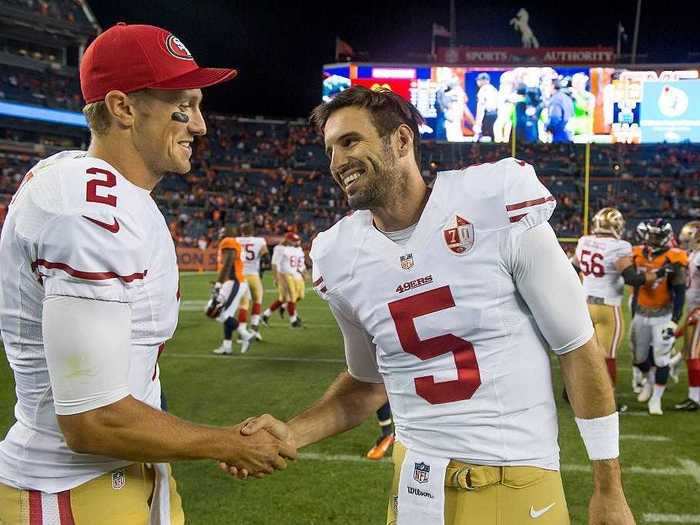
pixel 407 261
pixel 421 472
pixel 459 235
pixel 118 479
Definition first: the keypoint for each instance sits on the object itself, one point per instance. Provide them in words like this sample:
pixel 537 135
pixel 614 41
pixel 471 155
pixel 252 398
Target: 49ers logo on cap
pixel 177 48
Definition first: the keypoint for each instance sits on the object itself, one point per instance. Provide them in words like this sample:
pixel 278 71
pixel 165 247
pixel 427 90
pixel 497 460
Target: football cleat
pixel 247 339
pixel 646 392
pixel 265 319
pixel 222 351
pixel 655 407
pixel 381 447
pixel 282 310
pixel 296 324
pixel 688 405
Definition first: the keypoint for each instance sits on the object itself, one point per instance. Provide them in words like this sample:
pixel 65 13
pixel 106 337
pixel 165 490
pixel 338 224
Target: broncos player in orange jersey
pixel 657 307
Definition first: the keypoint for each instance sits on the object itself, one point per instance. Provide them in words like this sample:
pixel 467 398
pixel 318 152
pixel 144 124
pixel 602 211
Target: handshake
pixel 260 445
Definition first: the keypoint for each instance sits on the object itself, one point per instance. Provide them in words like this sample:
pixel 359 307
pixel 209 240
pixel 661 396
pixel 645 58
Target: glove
pixel 668 331
pixel 213 308
pixel 664 271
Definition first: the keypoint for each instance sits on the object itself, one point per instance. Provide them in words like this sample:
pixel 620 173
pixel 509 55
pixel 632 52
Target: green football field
pixel 332 482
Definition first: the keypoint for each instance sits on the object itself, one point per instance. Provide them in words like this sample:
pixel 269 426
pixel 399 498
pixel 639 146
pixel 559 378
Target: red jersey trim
pixel 525 204
pixel 90 276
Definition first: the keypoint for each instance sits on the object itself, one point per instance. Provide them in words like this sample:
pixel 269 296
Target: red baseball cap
pixel 134 57
pixel 292 237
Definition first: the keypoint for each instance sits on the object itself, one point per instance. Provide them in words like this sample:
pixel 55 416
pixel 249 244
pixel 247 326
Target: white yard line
pixel 669 471
pixel 671 518
pixel 643 437
pixel 691 467
pixel 178 355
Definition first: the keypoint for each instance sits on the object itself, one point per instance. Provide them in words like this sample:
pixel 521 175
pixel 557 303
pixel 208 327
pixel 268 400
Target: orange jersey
pixel 230 243
pixel 657 294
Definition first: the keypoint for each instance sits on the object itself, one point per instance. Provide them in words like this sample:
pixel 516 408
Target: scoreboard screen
pixel 537 104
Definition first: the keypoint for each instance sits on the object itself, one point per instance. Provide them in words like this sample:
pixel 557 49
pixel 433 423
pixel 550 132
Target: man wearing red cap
pixel 90 295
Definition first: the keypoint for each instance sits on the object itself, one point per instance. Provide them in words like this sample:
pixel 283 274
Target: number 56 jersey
pixel 442 320
pixel 596 257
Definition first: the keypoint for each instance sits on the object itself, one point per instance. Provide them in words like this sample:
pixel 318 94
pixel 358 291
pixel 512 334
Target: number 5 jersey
pixel 457 321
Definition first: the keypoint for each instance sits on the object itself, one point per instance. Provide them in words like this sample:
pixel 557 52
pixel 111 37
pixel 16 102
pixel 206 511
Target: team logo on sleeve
pixel 421 472
pixel 459 235
pixel 407 261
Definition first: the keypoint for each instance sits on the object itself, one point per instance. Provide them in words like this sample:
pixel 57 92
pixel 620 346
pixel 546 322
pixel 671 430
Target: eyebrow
pixel 349 134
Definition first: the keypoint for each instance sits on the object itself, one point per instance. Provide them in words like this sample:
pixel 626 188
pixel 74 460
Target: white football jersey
pixel 293 260
pixel 693 293
pixel 76 227
pixel 277 255
pixel 596 257
pixel 441 321
pixel 252 248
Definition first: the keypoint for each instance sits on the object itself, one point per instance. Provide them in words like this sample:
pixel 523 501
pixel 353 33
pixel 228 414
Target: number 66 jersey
pixel 457 321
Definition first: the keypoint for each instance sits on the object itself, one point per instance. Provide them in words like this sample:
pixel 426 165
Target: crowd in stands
pixel 40 88
pixel 275 173
pixel 70 11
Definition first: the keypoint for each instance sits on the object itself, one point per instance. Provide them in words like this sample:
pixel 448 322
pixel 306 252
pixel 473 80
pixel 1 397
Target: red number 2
pixel 404 311
pixel 92 185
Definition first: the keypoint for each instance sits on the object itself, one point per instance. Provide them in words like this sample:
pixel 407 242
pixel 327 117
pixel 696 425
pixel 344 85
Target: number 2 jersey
pixel 76 227
pixel 596 257
pixel 441 323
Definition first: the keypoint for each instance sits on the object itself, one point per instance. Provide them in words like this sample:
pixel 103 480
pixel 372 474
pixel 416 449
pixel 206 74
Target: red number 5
pixel 404 311
pixel 92 185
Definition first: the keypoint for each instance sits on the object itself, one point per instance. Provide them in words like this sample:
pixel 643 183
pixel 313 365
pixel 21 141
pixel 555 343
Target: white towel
pixel 422 490
pixel 160 504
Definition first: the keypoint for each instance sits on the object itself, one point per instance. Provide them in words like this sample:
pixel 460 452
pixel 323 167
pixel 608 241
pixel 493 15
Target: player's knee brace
pixel 662 373
pixel 230 326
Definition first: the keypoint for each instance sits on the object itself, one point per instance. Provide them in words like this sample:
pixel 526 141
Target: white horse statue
pixel 520 23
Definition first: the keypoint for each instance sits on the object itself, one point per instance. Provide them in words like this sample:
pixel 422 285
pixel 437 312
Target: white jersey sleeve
pixel 277 254
pixel 550 287
pixel 360 350
pixel 527 201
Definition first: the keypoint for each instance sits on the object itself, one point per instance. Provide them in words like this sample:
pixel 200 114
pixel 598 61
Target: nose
pixel 338 160
pixel 196 126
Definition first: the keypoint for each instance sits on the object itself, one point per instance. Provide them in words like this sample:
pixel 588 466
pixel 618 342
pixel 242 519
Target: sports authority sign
pixel 526 56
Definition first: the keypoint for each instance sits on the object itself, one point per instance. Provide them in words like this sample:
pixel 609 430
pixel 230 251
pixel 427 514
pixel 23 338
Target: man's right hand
pixel 256 450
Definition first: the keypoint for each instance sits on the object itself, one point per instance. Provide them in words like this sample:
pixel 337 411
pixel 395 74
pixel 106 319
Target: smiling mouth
pixel 349 180
pixel 187 145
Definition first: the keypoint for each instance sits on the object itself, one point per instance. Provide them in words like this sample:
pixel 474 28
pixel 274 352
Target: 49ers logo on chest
pixel 459 235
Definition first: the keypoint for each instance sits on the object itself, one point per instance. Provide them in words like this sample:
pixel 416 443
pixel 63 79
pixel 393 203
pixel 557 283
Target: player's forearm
pixel 587 382
pixel 346 404
pixel 134 431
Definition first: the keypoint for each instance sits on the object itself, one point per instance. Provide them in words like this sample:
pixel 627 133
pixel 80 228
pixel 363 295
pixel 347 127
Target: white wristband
pixel 601 436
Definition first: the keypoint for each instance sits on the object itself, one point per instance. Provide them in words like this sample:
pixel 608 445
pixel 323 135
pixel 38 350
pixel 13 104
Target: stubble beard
pixel 383 186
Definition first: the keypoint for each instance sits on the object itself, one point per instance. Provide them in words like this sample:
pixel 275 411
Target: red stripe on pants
pixel 612 369
pixel 35 513
pixel 64 509
pixel 693 372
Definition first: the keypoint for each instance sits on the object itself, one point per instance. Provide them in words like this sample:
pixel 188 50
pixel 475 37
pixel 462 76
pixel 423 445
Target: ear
pixel 121 107
pixel 405 137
